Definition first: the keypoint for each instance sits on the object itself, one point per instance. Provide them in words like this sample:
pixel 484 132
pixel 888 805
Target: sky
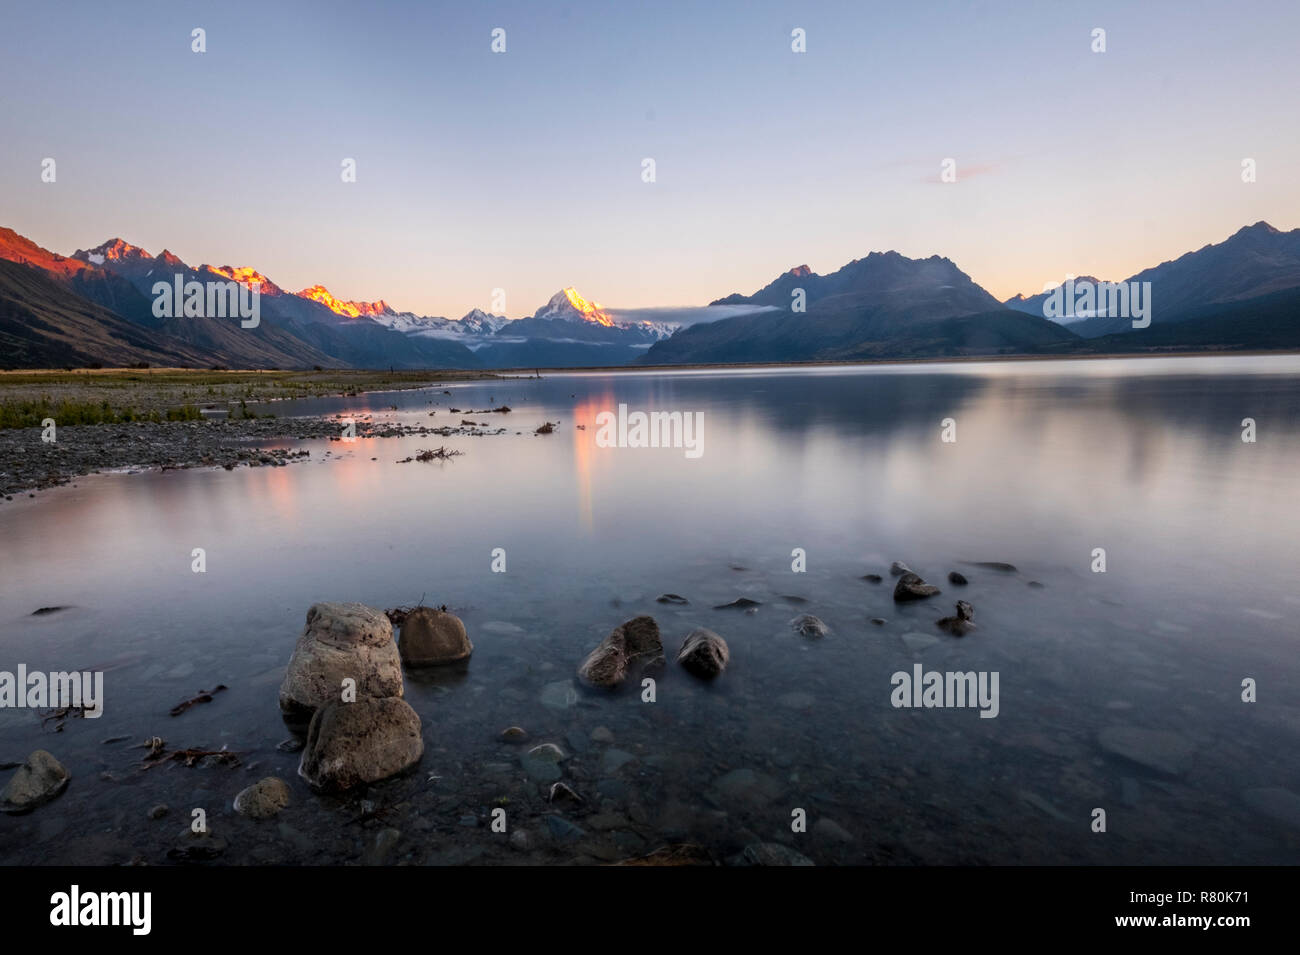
pixel 523 170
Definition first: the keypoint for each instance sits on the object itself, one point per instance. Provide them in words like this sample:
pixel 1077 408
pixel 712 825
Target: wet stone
pixel 561 830
pixel 773 853
pixel 543 762
pixel 559 696
pixel 614 760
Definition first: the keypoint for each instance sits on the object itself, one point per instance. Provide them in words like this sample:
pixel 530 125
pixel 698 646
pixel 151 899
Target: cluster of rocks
pixel 960 624
pixel 344 684
pixel 911 586
pixel 635 647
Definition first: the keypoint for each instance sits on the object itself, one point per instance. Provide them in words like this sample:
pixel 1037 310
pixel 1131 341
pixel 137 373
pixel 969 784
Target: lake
pixel 1119 690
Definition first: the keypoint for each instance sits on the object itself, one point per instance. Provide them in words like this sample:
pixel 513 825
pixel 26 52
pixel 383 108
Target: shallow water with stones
pixel 1052 459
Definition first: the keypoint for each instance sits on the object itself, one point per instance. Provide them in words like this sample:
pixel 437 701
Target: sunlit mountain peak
pixel 322 295
pixel 567 304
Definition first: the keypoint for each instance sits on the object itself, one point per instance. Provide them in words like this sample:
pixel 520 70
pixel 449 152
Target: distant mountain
pixel 20 249
pixel 98 306
pixel 1255 261
pixel 296 330
pixel 45 324
pixel 883 306
pixel 478 322
pixel 881 280
pixel 1266 323
pixel 570 317
pixel 1035 304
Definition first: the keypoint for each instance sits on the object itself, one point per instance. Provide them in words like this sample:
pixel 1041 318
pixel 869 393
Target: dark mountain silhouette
pixel 883 306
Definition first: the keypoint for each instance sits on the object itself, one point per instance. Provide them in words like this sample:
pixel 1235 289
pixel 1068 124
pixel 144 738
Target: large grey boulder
pixel 430 637
pixel 37 781
pixel 340 641
pixel 349 744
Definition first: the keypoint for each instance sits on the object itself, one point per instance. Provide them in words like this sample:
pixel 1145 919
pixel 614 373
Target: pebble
pixel 263 799
pixel 917 642
pixel 561 830
pixel 560 695
pixel 832 830
pixel 809 627
pixel 564 794
pixel 614 760
pixel 543 762
pixel 773 853
pixel 382 846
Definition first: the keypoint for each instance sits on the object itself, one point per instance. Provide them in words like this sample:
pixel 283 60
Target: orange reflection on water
pixel 584 441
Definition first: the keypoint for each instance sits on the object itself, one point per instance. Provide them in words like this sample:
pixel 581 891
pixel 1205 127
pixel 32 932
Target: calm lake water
pixel 1143 458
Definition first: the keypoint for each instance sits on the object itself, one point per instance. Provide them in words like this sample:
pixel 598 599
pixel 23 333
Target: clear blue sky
pixel 523 170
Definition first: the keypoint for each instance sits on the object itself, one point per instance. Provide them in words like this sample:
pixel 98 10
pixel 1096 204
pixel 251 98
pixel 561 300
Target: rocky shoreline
pixel 29 464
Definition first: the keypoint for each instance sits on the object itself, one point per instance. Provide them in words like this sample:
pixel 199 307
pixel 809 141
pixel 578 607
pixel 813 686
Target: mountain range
pixel 97 306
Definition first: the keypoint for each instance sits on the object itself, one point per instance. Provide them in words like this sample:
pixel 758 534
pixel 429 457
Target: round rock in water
pixel 543 762
pixel 704 653
pixel 349 744
pixel 962 623
pixel 634 642
pixel 340 641
pixel 432 637
pixel 37 781
pixel 607 664
pixel 912 587
pixel 809 627
pixel 263 799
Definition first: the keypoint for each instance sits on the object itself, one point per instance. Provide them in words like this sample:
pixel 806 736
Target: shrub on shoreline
pixel 30 414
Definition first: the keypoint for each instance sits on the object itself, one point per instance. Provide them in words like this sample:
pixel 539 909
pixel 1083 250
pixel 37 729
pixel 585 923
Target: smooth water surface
pixel 1052 460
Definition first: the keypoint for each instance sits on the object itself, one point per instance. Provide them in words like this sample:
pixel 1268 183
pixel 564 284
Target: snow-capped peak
pixel 568 305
